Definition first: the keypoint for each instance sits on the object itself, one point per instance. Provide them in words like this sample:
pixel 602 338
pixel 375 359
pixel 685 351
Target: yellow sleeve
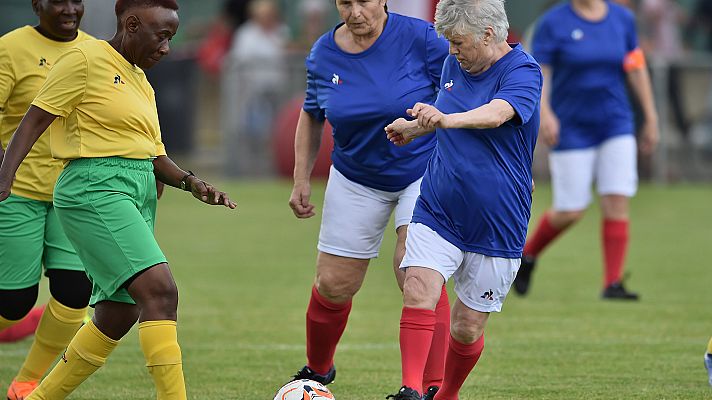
pixel 7 75
pixel 65 85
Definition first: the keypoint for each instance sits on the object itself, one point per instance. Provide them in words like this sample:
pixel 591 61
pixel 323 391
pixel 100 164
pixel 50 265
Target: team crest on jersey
pixel 117 80
pixel 577 34
pixel 336 80
pixel 43 62
pixel 448 85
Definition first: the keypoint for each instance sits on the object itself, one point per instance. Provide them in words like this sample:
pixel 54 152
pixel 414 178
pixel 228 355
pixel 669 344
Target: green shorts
pixel 30 237
pixel 107 207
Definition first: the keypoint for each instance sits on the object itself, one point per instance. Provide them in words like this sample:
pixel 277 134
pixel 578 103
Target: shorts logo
pixel 488 295
pixel 448 86
pixel 117 80
pixel 336 80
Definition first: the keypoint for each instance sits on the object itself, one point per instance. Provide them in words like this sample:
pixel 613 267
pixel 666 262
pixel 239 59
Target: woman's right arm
pixel 307 140
pixel 549 122
pixel 35 122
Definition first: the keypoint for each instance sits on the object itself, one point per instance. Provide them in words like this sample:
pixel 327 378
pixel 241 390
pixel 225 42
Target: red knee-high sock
pixel 615 244
pixel 544 234
pixel 435 366
pixel 326 322
pixel 416 335
pixel 461 359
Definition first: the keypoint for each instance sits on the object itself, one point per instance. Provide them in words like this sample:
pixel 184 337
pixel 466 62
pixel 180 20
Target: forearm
pixel 307 141
pixel 639 81
pixel 491 115
pixel 167 171
pixel 35 122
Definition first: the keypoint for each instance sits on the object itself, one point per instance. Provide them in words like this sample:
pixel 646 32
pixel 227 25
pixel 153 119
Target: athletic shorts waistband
pixel 113 162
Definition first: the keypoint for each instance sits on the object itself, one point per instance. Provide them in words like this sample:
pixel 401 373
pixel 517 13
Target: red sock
pixel 24 328
pixel 326 322
pixel 544 234
pixel 416 335
pixel 461 359
pixel 435 366
pixel 615 244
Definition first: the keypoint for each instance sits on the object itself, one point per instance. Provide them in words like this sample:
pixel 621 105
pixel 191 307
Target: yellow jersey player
pixel 30 234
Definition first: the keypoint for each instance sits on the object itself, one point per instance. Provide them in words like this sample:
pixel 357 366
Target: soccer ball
pixel 304 389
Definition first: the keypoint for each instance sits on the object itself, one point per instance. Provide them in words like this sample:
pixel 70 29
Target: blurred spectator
pixel 255 77
pixel 313 23
pixel 422 9
pixel 662 42
pixel 700 26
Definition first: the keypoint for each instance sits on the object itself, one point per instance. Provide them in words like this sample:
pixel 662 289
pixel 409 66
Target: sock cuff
pixel 617 225
pixel 92 345
pixel 322 301
pixel 444 301
pixel 151 324
pixel 417 318
pixel 65 314
pixel 467 350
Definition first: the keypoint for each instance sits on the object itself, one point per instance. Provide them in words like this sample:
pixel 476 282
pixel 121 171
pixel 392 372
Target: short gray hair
pixel 471 17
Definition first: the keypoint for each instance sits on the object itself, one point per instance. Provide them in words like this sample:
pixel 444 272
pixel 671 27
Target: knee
pixel 70 288
pixel 15 304
pixel 465 331
pixel 562 219
pixel 335 288
pixel 417 292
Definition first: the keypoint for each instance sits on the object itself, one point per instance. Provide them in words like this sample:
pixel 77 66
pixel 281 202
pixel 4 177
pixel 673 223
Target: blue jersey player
pixel 471 218
pixel 362 75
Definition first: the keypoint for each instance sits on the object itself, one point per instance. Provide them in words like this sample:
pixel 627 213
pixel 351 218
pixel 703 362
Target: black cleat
pixel 524 275
pixel 616 291
pixel 430 393
pixel 307 373
pixel 405 393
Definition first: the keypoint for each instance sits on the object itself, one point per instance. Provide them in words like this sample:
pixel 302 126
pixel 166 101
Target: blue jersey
pixel 362 93
pixel 588 92
pixel 476 192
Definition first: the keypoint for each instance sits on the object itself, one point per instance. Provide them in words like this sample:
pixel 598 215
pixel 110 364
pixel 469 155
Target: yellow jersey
pixel 26 58
pixel 105 106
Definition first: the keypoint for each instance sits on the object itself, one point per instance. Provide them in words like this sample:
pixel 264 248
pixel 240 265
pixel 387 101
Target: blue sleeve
pixel 521 88
pixel 311 103
pixel 631 31
pixel 544 43
pixel 436 51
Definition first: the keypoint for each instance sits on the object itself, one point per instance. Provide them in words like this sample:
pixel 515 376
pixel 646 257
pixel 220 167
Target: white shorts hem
pixel 345 253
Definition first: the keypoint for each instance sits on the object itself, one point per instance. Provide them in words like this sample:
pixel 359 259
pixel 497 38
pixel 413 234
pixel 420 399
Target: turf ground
pixel 244 280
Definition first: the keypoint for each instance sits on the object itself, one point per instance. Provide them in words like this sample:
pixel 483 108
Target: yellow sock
pixel 709 347
pixel 159 342
pixel 6 323
pixel 86 353
pixel 58 325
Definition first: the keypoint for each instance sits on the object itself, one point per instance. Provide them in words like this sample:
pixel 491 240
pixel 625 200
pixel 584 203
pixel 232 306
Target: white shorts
pixel 481 282
pixel 355 216
pixel 612 164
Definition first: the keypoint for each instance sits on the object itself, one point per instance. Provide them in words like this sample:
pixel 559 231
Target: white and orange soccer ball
pixel 304 389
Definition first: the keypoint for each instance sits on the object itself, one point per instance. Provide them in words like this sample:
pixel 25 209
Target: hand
pixel 159 188
pixel 401 131
pixel 299 200
pixel 5 190
pixel 208 194
pixel 549 128
pixel 649 137
pixel 428 116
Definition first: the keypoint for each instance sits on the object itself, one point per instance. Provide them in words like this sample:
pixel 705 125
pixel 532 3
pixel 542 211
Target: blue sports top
pixel 477 190
pixel 588 92
pixel 362 93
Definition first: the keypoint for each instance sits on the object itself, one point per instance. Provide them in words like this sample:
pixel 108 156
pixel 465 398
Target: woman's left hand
pixel 649 137
pixel 428 116
pixel 209 194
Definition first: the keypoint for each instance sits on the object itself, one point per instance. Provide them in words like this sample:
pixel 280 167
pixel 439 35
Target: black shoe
pixel 524 276
pixel 307 373
pixel 405 393
pixel 616 291
pixel 430 393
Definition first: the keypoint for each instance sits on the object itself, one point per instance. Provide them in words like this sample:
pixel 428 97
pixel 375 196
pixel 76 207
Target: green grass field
pixel 244 280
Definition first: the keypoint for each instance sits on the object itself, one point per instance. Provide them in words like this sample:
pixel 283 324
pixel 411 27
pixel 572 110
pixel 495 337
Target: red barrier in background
pixel 283 142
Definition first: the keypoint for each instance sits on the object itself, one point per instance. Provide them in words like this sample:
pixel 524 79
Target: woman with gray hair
pixel 470 221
